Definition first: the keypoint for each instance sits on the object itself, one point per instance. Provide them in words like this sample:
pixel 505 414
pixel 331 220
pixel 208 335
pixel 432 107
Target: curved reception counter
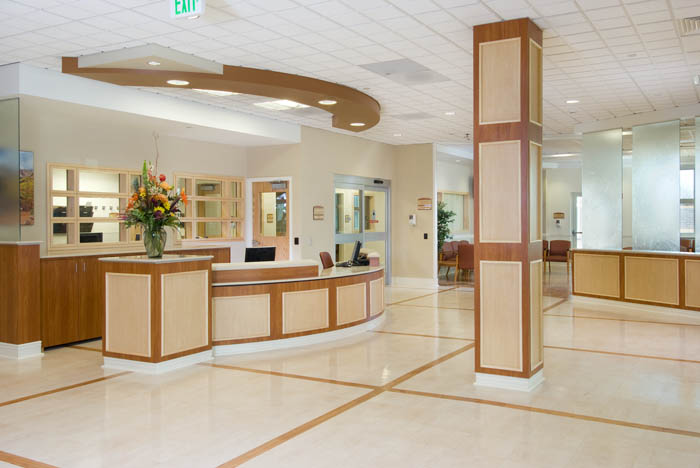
pixel 163 314
pixel 289 304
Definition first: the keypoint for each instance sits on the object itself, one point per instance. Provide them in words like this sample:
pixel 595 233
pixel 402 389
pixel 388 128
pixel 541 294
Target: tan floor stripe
pixel 293 376
pixel 563 414
pixel 556 304
pixel 279 440
pixel 613 353
pixel 420 297
pixel 22 461
pixel 431 307
pixel 421 335
pixel 85 348
pixel 625 320
pixel 63 389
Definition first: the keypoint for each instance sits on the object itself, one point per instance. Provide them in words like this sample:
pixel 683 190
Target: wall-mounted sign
pixel 270 218
pixel 559 215
pixel 186 8
pixel 425 203
pixel 318 213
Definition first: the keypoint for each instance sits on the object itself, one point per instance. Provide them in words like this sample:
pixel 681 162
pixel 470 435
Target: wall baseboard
pixel 509 383
pixel 157 367
pixel 20 351
pixel 317 338
pixel 405 281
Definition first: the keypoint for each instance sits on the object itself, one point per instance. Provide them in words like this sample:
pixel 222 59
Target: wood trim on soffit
pixel 352 105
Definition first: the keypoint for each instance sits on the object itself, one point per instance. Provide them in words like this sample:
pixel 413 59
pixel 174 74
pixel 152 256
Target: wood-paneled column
pixel 507 204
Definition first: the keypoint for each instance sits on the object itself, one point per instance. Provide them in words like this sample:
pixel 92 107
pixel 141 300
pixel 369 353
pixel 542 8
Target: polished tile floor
pixel 622 389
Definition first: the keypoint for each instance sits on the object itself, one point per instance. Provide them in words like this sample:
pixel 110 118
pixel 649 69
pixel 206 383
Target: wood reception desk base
pixel 270 312
pixel 157 313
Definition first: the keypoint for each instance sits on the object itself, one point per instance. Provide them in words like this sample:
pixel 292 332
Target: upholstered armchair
pixel 326 260
pixel 465 259
pixel 545 250
pixel 448 257
pixel 559 251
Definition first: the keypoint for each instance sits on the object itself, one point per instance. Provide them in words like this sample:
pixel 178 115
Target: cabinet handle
pixel 76 267
pixel 83 267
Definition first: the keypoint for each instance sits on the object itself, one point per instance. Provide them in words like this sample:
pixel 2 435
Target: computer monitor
pixel 260 254
pixel 356 253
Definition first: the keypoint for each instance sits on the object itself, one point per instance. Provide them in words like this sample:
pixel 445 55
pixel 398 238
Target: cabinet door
pixel 90 293
pixel 59 301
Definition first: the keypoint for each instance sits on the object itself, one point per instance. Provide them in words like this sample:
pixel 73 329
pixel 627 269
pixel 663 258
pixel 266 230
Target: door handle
pixel 84 267
pixel 76 267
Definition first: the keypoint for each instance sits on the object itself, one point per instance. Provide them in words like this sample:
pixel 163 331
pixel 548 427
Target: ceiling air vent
pixel 689 26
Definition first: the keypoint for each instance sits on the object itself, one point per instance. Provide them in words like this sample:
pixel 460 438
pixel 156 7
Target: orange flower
pixel 183 196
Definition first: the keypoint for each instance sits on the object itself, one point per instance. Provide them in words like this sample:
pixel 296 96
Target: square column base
pixel 157 367
pixel 20 351
pixel 509 383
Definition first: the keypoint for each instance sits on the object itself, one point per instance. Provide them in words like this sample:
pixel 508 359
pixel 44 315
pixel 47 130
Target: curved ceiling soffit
pixel 352 106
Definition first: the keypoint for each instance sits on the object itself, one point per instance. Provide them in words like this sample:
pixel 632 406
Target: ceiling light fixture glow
pixel 327 102
pixel 153 63
pixel 397 134
pixel 193 17
pixel 215 92
pixel 572 101
pixel 178 82
pixel 357 124
pixel 627 132
pixel 280 105
pixel 561 155
pixel 696 80
pixel 450 113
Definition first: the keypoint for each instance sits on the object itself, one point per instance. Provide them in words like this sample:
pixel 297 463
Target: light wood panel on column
pixel 500 191
pixel 304 310
pixel 128 314
pixel 185 311
pixel 692 280
pixel 501 315
pixel 499 81
pixel 536 322
pixel 239 317
pixel 652 279
pixel 351 303
pixel 376 296
pixel 597 275
pixel 535 70
pixel 535 162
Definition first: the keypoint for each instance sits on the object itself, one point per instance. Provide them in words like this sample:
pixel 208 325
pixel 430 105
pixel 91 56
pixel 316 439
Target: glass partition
pixel 601 185
pixel 656 186
pixel 9 170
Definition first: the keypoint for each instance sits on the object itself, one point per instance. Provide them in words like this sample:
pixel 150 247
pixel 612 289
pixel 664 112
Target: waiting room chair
pixel 465 256
pixel 545 250
pixel 559 251
pixel 687 245
pixel 326 260
pixel 448 257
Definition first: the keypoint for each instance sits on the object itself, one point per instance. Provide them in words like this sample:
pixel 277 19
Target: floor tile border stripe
pixel 24 462
pixel 86 348
pixel 550 412
pixel 63 389
pixel 556 304
pixel 420 297
pixel 430 307
pixel 282 438
pixel 421 335
pixel 625 320
pixel 292 376
pixel 614 353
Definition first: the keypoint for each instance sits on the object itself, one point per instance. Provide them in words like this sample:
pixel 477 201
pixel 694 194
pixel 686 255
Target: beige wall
pixel 59 132
pixel 561 183
pixel 455 177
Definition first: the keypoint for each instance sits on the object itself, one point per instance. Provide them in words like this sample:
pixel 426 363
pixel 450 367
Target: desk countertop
pixel 163 259
pixel 263 265
pixel 328 273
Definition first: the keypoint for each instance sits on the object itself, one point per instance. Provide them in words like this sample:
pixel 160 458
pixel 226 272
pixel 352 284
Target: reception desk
pixel 668 279
pixel 251 315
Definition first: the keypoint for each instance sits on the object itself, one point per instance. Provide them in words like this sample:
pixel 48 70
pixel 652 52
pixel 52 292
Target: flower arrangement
pixel 154 206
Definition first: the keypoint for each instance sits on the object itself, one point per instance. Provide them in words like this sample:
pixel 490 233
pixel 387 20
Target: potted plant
pixel 153 207
pixel 444 218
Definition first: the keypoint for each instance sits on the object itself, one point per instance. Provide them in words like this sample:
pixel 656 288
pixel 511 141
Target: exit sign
pixel 186 8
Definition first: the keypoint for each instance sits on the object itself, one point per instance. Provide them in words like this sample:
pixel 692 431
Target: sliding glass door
pixel 362 214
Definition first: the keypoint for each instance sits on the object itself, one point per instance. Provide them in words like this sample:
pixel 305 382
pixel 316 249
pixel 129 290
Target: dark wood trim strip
pixel 17 460
pixel 62 389
pixel 432 307
pixel 425 367
pixel 293 376
pixel 85 348
pixel 557 304
pixel 563 414
pixel 422 335
pixel 613 353
pixel 625 320
pixel 420 297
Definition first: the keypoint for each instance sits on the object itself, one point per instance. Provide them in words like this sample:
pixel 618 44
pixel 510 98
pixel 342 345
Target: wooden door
pixel 271 216
pixel 59 301
pixel 90 288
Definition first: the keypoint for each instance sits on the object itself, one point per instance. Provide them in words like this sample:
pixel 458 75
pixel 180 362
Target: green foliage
pixel 445 217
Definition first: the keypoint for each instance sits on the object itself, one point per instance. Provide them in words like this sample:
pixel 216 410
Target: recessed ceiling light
pixel 280 105
pixel 572 101
pixel 458 160
pixel 357 124
pixel 696 80
pixel 449 113
pixel 193 17
pixel 561 155
pixel 327 102
pixel 397 134
pixel 215 92
pixel 178 82
pixel 153 63
pixel 627 132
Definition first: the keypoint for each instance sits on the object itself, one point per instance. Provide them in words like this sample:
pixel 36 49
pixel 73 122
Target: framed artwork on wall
pixel 26 188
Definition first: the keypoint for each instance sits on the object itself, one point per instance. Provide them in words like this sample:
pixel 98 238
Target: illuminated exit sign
pixel 186 8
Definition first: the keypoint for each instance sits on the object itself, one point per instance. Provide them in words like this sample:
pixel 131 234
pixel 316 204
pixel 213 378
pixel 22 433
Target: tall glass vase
pixel 154 242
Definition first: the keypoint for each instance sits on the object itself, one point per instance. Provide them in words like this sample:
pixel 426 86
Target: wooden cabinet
pixel 71 295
